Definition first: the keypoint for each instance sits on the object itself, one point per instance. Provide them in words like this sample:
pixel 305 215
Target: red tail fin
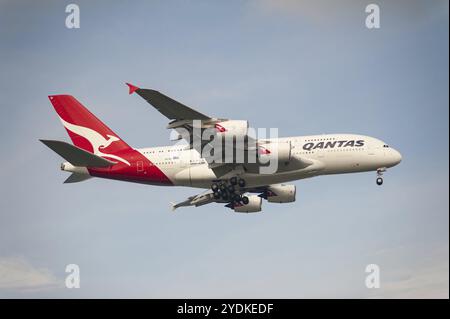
pixel 85 130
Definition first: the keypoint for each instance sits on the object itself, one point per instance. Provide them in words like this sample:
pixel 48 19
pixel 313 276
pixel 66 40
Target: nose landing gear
pixel 379 181
pixel 380 172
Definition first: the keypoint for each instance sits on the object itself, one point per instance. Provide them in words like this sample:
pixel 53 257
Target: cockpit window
pixel 386 146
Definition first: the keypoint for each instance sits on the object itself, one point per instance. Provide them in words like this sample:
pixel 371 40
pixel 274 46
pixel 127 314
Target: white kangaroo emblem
pixel 97 141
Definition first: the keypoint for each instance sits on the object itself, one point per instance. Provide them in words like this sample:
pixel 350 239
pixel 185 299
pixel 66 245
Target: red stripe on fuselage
pixel 141 170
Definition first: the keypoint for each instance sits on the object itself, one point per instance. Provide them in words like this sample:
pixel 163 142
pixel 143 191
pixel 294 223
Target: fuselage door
pixel 140 166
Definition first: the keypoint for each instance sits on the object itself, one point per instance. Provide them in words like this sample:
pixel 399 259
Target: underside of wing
pixel 196 200
pixel 239 202
pixel 191 126
pixel 187 122
pixel 167 106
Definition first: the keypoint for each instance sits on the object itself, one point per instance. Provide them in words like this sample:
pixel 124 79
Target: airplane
pixel 98 152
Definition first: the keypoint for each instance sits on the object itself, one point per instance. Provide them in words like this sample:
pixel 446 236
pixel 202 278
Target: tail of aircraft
pixel 84 128
pixel 87 133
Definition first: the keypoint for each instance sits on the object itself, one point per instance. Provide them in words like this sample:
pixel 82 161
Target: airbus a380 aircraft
pixel 99 152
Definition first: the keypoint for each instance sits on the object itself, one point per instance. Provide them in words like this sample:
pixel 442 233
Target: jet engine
pixel 232 128
pixel 253 206
pixel 280 151
pixel 280 193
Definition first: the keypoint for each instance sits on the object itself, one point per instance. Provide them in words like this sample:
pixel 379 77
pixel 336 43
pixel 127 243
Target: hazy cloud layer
pixel 16 273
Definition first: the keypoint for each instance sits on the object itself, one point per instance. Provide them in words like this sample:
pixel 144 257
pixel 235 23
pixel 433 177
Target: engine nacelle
pixel 280 151
pixel 232 128
pixel 253 206
pixel 280 193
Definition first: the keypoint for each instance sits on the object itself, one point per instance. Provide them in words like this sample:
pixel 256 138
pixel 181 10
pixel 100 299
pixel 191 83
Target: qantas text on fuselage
pixel 239 182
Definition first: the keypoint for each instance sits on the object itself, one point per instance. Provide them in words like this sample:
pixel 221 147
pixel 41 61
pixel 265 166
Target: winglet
pixel 132 88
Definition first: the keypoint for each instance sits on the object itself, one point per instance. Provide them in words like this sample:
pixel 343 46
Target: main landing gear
pixel 230 190
pixel 380 172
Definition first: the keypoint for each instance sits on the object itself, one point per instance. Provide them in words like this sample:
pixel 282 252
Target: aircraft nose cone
pixel 397 157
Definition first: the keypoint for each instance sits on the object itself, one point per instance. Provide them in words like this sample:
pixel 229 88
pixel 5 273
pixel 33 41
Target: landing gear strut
pixel 380 172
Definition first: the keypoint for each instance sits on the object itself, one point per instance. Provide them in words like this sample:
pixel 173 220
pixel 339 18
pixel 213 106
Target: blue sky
pixel 305 67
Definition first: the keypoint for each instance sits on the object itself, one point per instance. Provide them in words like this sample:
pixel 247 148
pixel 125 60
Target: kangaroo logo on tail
pixel 97 141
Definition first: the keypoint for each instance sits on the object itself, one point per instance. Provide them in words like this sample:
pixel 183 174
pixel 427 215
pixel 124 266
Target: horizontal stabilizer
pixel 75 178
pixel 77 156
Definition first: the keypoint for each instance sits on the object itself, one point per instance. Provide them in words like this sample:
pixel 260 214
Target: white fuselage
pixel 329 154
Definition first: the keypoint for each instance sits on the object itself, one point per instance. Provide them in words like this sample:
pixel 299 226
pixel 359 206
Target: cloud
pixel 16 273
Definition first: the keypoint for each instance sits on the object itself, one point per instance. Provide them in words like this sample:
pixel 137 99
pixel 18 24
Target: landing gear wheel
pixel 233 180
pixel 379 181
pixel 231 188
pixel 214 187
pixel 223 187
pixel 216 195
pixel 225 195
pixel 380 172
pixel 245 200
pixel 241 182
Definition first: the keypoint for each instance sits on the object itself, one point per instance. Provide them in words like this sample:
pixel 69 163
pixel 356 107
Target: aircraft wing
pixel 207 197
pixel 196 200
pixel 182 117
pixel 167 106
